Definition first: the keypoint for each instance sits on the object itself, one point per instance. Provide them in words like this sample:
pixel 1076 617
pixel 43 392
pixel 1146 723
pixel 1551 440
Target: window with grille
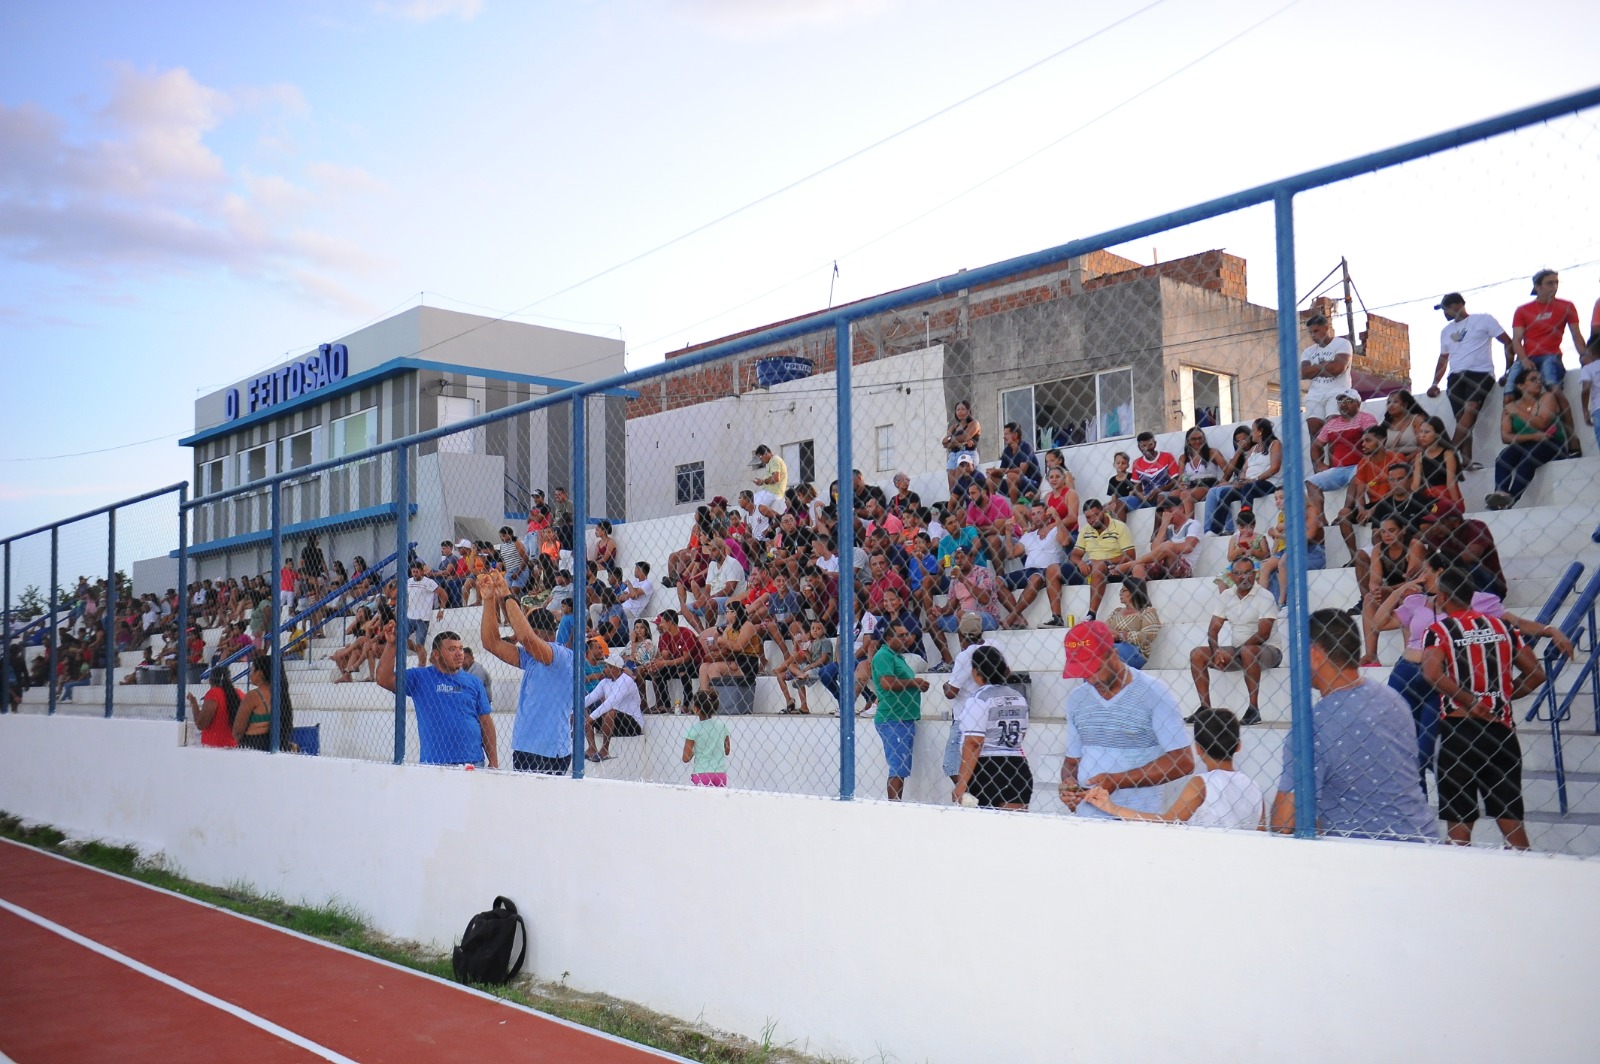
pixel 691 482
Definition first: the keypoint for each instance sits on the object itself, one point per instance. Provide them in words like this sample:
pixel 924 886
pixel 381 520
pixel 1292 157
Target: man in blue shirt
pixel 1365 745
pixel 454 726
pixel 541 738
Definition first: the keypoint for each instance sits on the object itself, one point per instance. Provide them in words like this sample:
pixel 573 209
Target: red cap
pixel 1087 645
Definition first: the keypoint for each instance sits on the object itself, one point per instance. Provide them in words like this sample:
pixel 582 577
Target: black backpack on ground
pixel 484 955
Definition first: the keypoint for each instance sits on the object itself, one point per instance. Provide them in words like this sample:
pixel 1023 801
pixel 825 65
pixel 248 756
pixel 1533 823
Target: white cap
pixel 467 543
pixel 618 659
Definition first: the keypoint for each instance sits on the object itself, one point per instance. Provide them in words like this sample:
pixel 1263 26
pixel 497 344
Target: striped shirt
pixel 1479 652
pixel 510 559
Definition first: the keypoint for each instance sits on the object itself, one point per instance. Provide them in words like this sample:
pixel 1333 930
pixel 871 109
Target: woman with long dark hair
pixel 994 772
pixel 1403 416
pixel 1262 475
pixel 1531 429
pixel 214 716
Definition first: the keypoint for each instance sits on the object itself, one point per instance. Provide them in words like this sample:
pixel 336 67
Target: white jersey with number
pixel 1000 715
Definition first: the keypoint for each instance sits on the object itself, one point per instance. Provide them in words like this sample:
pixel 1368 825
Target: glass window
pixel 691 480
pixel 212 471
pixel 1208 398
pixel 1017 405
pixel 1075 410
pixel 253 465
pixel 885 442
pixel 355 433
pixel 299 451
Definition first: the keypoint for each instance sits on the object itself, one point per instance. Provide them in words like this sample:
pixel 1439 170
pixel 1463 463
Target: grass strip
pixel 345 926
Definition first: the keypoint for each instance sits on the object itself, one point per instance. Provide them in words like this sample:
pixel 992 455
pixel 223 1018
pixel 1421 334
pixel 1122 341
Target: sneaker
pixel 1252 715
pixel 1354 611
pixel 1190 718
pixel 943 666
pixel 1497 500
pixel 1055 621
pixel 1089 616
pixel 1473 467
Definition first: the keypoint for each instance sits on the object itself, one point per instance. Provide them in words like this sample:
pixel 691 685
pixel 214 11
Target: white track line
pixel 369 958
pixel 178 984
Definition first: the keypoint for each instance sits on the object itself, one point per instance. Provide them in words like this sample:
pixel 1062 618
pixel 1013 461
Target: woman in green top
pixel 1533 434
pixel 706 746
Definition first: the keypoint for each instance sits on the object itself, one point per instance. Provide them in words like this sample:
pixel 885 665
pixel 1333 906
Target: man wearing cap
pixel 1336 449
pixel 1325 362
pixel 961 685
pixel 773 475
pixel 1125 731
pixel 1466 346
pixel 613 707
pixel 1539 328
pixel 561 517
pixel 1250 612
pixel 541 735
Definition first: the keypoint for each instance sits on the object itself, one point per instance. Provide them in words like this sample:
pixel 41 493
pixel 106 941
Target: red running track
pixel 185 981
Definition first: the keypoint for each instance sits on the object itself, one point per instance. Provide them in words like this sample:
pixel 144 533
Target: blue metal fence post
pixel 1291 433
pixel 109 617
pixel 580 607
pixel 55 604
pixel 846 534
pixel 5 639
pixel 275 616
pixel 183 608
pixel 402 573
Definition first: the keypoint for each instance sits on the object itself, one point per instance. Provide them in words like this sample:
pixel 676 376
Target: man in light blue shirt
pixel 1125 731
pixel 541 737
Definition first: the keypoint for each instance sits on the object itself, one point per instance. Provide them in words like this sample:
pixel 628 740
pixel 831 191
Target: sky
pixel 192 192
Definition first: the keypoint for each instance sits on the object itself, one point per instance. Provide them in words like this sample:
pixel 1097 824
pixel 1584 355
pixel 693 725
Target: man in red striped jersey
pixel 1480 665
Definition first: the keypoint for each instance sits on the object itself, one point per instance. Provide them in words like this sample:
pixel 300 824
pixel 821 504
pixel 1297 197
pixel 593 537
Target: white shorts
pixel 1321 404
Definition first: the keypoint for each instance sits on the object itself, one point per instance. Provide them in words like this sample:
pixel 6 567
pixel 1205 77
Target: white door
pixel 451 411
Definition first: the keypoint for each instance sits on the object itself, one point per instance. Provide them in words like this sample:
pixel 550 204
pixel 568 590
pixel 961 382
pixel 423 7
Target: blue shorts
pixel 952 750
pixel 950 623
pixel 1332 479
pixel 1550 368
pixel 1018 580
pixel 898 736
pixel 957 457
pixel 417 633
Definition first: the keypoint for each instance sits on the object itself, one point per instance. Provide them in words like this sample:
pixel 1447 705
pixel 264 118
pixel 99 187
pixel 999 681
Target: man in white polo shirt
pixel 1466 347
pixel 1251 613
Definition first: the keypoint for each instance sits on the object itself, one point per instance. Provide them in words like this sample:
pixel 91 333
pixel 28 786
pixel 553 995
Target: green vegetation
pixel 343 925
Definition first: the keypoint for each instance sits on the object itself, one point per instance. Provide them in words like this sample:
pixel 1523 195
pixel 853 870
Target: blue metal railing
pixel 1581 627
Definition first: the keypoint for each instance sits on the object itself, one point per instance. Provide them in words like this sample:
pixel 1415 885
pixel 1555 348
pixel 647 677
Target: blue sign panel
pixel 330 365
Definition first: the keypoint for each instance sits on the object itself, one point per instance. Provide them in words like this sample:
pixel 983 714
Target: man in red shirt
pixel 1479 665
pixel 287 579
pixel 1154 472
pixel 1539 328
pixel 1336 451
pixel 678 657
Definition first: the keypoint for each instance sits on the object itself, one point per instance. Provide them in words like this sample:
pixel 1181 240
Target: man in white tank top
pixel 1325 363
pixel 1215 797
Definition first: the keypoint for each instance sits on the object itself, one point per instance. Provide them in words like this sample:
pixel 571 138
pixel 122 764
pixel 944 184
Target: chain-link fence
pixel 94 613
pixel 1072 533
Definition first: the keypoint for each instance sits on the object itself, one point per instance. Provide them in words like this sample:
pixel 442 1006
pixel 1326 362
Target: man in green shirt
pixel 899 705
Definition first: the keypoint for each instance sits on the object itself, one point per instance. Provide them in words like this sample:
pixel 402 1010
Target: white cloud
pixel 428 10
pixel 141 190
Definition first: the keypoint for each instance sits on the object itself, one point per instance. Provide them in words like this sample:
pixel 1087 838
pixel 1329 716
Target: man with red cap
pixel 1125 731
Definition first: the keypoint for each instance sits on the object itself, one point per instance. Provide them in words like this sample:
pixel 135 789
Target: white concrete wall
pixel 875 931
pixel 906 391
